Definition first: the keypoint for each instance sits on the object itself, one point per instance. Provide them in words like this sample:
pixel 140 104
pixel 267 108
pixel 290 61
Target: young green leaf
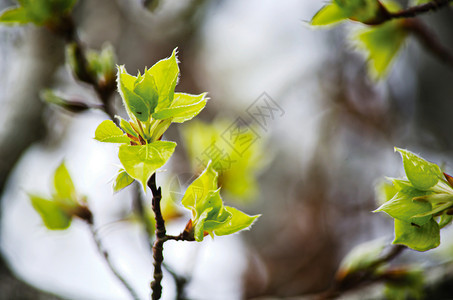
pixel 127 127
pixel 329 14
pixel 15 15
pixel 361 257
pixel 385 191
pixel 419 238
pixel 183 108
pixel 421 173
pixel 200 188
pixel 210 215
pixel 64 187
pixel 381 44
pixel 146 88
pixel 122 180
pixel 445 220
pixel 402 207
pixel 238 221
pixel 165 73
pixel 135 104
pixel 51 213
pixel 108 132
pixel 140 162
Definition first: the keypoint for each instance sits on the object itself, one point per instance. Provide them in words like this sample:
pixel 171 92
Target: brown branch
pixel 429 40
pixel 419 9
pixel 158 247
pixel 384 15
pixel 110 265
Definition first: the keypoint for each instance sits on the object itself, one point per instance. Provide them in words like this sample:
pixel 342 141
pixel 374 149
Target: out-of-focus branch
pixel 429 40
pixel 110 264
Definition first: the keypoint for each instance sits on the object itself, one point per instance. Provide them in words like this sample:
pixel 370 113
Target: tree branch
pixel 419 9
pixel 158 247
pixel 110 265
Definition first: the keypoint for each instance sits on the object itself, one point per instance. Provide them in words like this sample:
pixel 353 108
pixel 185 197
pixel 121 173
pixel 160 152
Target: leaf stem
pixel 110 265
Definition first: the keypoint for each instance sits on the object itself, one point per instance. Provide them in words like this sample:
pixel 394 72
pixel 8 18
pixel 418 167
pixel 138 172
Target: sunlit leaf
pixel 141 161
pixel 329 14
pixel 200 188
pixel 402 207
pixel 15 15
pixel 183 108
pixel 421 173
pixel 165 73
pixel 122 180
pixel 127 127
pixel 135 104
pixel 63 184
pixel 108 132
pixel 238 221
pixel 51 213
pixel 381 45
pixel 146 88
pixel 420 238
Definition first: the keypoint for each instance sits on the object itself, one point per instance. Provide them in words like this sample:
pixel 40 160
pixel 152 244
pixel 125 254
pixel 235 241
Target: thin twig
pixel 110 265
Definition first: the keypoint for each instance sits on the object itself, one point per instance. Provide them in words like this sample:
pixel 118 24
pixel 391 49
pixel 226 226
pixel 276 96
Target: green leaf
pixel 51 213
pixel 165 73
pixel 381 44
pixel 108 132
pixel 183 108
pixel 361 257
pixel 329 14
pixel 64 187
pixel 435 210
pixel 200 188
pixel 385 191
pixel 122 180
pixel 210 215
pixel 419 238
pixel 402 207
pixel 127 127
pixel 15 15
pixel 445 220
pixel 140 162
pixel 146 88
pixel 238 221
pixel 360 10
pixel 421 173
pixel 135 104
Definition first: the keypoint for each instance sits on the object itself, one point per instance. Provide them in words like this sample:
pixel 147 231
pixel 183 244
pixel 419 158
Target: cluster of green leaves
pixel 405 282
pixel 421 204
pixel 209 215
pixel 237 163
pixel 152 105
pixel 58 211
pixel 100 65
pixel 38 12
pixel 380 43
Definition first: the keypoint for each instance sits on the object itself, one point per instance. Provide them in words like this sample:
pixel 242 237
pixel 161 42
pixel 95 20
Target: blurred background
pixel 325 140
